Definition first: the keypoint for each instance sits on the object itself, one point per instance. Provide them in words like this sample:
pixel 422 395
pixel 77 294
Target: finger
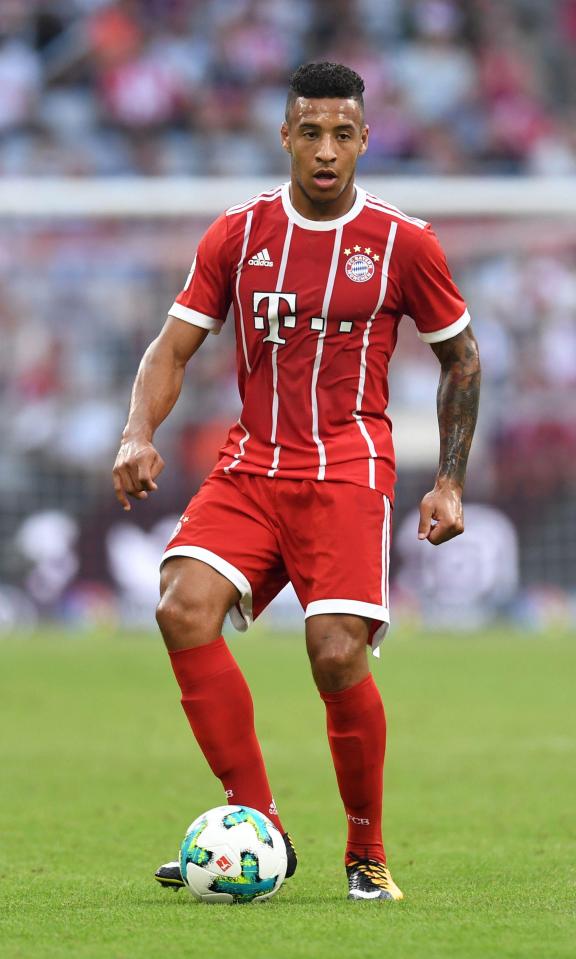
pixel 131 481
pixel 144 475
pixel 444 532
pixel 437 534
pixel 157 467
pixel 120 493
pixel 133 487
pixel 155 470
pixel 146 482
pixel 128 480
pixel 425 524
pixel 148 471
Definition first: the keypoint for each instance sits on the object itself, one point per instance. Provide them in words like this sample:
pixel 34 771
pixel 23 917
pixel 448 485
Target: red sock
pixel 219 707
pixel 357 735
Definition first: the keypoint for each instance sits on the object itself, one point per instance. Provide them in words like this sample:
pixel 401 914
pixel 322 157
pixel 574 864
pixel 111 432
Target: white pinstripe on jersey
pixel 375 203
pixel 385 550
pixel 246 437
pixel 241 449
pixel 275 400
pixel 319 348
pixel 247 229
pixel 260 198
pixel 357 414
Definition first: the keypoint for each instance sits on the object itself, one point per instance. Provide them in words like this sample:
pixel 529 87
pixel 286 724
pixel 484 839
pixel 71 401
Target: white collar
pixel 321 225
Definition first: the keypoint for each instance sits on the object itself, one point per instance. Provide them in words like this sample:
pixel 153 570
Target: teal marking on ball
pixel 248 885
pixel 191 851
pixel 256 820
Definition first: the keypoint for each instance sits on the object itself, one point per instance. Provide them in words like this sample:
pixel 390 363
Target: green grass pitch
pixel 99 777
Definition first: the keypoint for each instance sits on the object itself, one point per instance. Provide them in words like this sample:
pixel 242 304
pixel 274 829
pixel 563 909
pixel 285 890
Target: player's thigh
pixel 225 528
pixel 335 541
pixel 194 599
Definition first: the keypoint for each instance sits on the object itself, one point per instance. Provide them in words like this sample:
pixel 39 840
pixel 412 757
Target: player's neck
pixel 326 209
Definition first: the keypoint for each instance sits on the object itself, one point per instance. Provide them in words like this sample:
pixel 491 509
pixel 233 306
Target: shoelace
pixel 376 872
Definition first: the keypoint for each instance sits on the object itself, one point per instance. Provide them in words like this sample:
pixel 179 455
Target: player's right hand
pixel 137 465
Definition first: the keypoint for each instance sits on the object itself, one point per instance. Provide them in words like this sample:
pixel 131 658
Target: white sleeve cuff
pixel 196 318
pixel 447 332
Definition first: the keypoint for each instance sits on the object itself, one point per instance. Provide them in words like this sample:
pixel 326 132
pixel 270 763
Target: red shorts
pixel 331 540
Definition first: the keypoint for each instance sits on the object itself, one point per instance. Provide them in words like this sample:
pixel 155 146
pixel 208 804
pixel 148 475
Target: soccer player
pixel 319 273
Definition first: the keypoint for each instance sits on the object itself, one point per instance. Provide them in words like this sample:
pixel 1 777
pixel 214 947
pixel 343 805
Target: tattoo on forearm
pixel 457 402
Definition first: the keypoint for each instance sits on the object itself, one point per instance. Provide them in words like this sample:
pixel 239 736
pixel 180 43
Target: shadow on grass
pixel 294 902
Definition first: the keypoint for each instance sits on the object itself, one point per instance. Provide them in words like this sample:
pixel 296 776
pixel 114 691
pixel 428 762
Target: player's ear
pixel 364 139
pixel 285 138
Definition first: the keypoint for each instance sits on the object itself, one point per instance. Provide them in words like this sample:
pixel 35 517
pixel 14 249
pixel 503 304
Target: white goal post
pixel 446 197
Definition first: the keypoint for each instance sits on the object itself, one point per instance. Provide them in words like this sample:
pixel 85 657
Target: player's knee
pixel 334 660
pixel 173 615
pixel 186 622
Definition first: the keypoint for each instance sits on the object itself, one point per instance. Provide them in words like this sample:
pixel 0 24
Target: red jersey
pixel 316 307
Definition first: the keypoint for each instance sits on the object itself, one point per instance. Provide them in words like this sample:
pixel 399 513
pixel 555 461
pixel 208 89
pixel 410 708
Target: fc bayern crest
pixel 359 268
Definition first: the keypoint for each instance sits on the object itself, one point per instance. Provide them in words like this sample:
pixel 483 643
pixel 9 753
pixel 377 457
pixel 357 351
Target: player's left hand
pixel 441 514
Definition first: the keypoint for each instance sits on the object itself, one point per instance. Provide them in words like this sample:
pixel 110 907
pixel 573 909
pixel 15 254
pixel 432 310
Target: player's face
pixel 324 139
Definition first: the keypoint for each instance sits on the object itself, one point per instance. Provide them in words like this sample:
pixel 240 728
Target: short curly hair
pixel 318 80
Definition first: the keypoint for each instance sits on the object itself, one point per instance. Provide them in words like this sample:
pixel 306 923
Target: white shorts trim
pixel 447 332
pixel 195 318
pixel 241 613
pixel 354 608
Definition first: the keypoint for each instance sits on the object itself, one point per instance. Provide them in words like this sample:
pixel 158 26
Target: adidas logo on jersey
pixel 261 259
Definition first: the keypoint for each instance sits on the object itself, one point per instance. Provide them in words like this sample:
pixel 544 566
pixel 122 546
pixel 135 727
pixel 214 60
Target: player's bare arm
pixel 441 514
pixel 156 388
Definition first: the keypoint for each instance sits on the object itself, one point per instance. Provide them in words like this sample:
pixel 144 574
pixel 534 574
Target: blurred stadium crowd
pixel 162 87
pixel 105 87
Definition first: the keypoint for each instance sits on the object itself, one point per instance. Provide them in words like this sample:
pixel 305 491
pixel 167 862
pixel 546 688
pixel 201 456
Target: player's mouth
pixel 324 179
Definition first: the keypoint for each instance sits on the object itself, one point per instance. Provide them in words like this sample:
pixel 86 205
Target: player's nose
pixel 325 152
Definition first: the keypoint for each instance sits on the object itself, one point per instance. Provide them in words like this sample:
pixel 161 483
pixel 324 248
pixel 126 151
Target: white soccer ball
pixel 233 854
